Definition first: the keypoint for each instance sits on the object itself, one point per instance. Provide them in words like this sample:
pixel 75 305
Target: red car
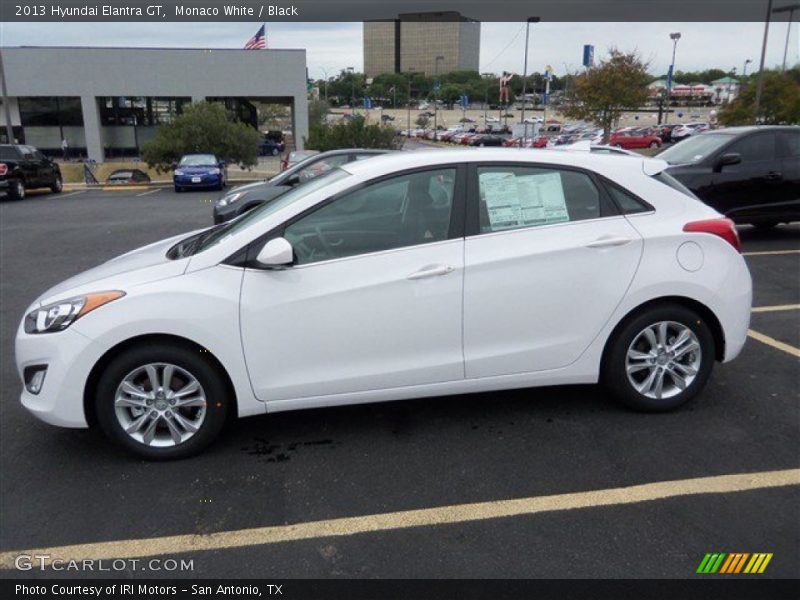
pixel 635 138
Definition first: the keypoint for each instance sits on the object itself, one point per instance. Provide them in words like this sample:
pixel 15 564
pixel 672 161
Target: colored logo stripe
pixel 720 562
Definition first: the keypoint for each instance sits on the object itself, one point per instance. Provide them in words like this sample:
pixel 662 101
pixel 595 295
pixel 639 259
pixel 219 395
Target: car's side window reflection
pixel 321 167
pixel 402 211
pixel 519 197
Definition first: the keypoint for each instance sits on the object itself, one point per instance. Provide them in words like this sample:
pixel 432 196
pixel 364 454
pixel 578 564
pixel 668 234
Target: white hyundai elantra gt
pixel 407 275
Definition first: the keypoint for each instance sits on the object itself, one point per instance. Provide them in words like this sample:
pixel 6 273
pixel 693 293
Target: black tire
pixel 275 152
pixel 178 189
pixel 613 370
pixel 16 189
pixel 217 397
pixel 58 185
pixel 654 145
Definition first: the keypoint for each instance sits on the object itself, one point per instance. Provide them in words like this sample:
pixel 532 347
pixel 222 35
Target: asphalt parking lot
pixel 312 468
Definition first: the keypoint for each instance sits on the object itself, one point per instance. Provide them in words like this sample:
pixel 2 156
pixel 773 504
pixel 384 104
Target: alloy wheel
pixel 160 405
pixel 663 360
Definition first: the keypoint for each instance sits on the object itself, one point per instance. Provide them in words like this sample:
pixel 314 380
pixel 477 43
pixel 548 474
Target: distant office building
pixel 413 41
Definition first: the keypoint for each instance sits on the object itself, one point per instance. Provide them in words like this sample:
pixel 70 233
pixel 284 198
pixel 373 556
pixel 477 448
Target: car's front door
pixel 544 270
pixel 373 300
pixel 744 189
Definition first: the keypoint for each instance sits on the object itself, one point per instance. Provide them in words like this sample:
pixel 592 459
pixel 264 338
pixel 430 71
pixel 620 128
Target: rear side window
pixel 517 197
pixel 627 202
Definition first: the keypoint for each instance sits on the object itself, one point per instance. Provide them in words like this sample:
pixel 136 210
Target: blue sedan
pixel 199 171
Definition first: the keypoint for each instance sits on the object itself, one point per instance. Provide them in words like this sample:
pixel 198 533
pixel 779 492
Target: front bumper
pixel 69 357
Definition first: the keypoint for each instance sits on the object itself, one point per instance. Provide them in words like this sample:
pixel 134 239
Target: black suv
pixel 24 167
pixel 749 174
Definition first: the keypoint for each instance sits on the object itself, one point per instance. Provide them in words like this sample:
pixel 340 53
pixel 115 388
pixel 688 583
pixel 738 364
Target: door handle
pixel 774 175
pixel 432 271
pixel 608 242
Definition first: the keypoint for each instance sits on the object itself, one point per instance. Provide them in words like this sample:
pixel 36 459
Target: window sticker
pixel 523 201
pixel 501 195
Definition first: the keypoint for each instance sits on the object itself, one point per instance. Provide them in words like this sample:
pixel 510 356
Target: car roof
pixel 400 161
pixel 751 128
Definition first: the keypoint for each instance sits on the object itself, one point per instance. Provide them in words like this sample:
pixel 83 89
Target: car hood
pixel 143 265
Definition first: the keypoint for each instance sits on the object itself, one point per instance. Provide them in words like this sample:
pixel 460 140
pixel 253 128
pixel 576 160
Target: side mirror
pixel 276 254
pixel 293 180
pixel 731 158
pixel 221 164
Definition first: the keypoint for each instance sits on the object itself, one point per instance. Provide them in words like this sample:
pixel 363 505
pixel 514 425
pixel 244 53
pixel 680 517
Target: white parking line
pixel 150 192
pixel 777 344
pixel 778 308
pixel 771 253
pixel 424 517
pixel 73 193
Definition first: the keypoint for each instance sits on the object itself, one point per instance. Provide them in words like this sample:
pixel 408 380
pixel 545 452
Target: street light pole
pixel 408 104
pixel 790 9
pixel 674 37
pixel 6 108
pixel 352 72
pixel 436 94
pixel 525 80
pixel 744 68
pixel 760 84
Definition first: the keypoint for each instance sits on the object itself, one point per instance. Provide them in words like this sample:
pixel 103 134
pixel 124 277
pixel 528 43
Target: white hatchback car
pixel 407 275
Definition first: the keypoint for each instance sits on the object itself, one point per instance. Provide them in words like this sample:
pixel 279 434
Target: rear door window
pixel 752 148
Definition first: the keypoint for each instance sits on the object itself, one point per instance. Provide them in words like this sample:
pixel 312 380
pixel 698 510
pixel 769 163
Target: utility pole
pixel 352 72
pixel 760 84
pixel 6 108
pixel 790 9
pixel 525 80
pixel 408 104
pixel 436 94
pixel 674 37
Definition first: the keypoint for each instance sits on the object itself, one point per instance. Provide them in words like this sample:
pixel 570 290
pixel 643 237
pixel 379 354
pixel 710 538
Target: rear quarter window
pixel 670 181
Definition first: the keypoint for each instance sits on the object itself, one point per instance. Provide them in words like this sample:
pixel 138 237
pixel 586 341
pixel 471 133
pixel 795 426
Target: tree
pixel 350 133
pixel 602 93
pixel 780 101
pixel 422 121
pixel 203 127
pixel 317 112
pixel 271 116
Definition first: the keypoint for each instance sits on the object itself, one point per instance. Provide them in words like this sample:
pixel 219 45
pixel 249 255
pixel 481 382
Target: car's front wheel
pixel 659 359
pixel 162 401
pixel 57 185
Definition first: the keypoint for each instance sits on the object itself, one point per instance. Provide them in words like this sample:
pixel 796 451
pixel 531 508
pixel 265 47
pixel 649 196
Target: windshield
pixel 210 237
pixel 198 160
pixel 694 149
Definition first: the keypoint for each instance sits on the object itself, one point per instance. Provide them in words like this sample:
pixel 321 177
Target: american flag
pixel 258 41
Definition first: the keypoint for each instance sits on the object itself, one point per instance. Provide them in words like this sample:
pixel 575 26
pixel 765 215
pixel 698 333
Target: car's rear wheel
pixel 654 144
pixel 659 359
pixel 275 152
pixel 161 401
pixel 16 189
pixel 57 185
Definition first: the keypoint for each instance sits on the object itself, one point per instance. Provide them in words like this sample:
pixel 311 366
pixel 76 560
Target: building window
pixel 139 110
pixel 50 112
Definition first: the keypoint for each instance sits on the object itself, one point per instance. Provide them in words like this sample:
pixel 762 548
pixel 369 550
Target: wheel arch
pixel 708 315
pixel 149 339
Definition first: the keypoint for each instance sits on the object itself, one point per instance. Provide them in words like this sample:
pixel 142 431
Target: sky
pixel 332 47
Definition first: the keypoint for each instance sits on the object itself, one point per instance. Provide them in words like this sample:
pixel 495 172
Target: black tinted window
pixel 755 147
pixel 791 144
pixel 627 203
pixel 8 153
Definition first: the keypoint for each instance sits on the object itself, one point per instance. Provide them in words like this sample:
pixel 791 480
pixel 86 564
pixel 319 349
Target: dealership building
pixel 107 102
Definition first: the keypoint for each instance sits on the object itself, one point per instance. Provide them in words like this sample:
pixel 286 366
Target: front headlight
pixel 178 172
pixel 214 171
pixel 60 315
pixel 231 198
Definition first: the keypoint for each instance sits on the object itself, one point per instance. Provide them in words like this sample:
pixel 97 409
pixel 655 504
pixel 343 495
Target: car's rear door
pixel 547 262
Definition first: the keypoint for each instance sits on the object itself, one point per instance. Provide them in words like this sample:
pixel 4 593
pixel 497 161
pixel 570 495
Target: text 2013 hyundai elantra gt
pixel 409 275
